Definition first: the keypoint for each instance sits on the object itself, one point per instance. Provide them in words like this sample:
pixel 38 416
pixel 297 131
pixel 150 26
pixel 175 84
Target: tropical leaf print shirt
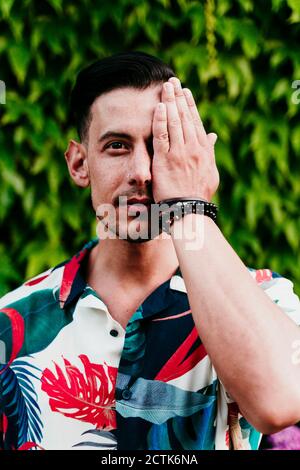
pixel 72 378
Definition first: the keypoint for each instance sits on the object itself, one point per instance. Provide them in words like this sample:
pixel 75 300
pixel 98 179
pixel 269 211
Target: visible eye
pixel 116 145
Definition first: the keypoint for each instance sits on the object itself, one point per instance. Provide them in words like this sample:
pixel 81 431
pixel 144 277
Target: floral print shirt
pixel 72 378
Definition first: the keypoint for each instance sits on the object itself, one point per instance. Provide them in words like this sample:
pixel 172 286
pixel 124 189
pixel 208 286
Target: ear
pixel 76 158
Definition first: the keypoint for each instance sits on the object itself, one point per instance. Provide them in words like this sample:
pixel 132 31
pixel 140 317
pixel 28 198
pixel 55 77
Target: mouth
pixel 137 209
pixel 137 206
pixel 137 202
pixel 123 201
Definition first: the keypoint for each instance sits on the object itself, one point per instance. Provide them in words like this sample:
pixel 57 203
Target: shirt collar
pixel 73 283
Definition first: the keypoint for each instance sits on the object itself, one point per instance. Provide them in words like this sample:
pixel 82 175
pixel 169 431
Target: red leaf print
pixel 89 396
pixel 29 445
pixel 70 271
pixel 17 331
pixel 227 439
pixel 32 282
pixel 181 361
pixel 263 275
pixel 4 424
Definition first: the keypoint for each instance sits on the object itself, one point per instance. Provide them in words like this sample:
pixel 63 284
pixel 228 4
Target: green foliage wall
pixel 239 57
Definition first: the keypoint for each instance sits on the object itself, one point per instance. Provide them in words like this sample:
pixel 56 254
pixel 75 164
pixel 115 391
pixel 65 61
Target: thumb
pixel 212 138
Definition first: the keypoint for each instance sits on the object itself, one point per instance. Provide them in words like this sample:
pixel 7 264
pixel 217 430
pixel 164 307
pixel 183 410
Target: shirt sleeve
pixel 281 291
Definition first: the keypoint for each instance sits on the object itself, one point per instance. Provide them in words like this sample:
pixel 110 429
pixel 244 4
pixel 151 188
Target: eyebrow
pixel 110 134
pixel 119 135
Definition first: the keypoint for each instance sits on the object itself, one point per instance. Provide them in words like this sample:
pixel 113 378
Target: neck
pixel 132 265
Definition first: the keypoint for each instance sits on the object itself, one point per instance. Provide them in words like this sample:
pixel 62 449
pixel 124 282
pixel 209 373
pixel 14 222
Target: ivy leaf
pixel 19 57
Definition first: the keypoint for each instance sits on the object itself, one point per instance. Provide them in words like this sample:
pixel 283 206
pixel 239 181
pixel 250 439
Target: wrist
pixel 189 225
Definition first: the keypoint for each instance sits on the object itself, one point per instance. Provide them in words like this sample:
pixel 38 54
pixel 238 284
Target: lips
pixel 137 206
pixel 135 201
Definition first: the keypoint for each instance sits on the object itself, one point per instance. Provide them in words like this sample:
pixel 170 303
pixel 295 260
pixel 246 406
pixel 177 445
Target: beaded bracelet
pixel 181 206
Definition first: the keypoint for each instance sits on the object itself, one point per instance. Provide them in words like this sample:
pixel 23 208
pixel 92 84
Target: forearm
pixel 247 337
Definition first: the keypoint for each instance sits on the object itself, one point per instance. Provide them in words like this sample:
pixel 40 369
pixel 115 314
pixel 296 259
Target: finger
pixel 188 128
pixel 173 120
pixel 201 134
pixel 160 130
pixel 212 139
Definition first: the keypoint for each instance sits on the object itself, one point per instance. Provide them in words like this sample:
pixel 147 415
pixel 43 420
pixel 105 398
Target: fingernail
pixel 214 138
pixel 187 91
pixel 175 81
pixel 168 87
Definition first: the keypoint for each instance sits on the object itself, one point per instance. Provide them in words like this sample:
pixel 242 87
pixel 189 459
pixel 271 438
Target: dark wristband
pixel 179 207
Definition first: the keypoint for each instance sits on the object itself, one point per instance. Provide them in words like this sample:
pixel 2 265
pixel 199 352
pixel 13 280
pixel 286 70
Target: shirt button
pixel 126 394
pixel 113 333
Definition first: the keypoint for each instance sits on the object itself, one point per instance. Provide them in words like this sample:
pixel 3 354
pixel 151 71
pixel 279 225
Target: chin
pixel 144 232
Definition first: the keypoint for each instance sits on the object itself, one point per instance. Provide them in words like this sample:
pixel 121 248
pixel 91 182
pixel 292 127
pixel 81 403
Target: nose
pixel 139 168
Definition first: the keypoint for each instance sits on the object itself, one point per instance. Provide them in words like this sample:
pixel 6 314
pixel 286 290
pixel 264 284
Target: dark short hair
pixel 125 69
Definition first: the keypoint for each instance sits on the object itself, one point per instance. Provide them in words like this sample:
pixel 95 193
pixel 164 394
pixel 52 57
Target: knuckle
pixel 174 122
pixel 178 92
pixel 163 136
pixel 184 116
pixel 170 98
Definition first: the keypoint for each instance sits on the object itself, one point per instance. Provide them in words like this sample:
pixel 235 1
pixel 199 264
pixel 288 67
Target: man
pixel 146 342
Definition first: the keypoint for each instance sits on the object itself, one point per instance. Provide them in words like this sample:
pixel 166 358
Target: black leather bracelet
pixel 179 207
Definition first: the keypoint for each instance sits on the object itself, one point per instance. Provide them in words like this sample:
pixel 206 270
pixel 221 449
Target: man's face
pixel 120 153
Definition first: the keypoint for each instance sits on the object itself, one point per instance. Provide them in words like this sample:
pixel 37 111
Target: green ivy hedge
pixel 239 57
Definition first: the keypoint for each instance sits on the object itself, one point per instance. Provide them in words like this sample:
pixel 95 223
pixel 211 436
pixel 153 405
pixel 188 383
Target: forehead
pixel 126 106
